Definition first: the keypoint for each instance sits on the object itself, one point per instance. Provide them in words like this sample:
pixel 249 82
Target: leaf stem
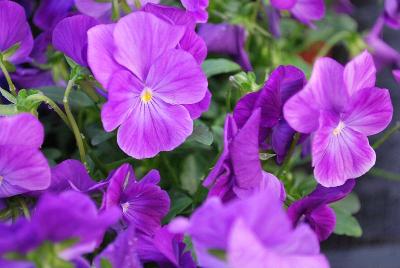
pixel 11 85
pixel 386 135
pixel 286 162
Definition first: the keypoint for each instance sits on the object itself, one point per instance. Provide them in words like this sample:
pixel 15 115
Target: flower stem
pixel 386 135
pixel 75 129
pixel 286 162
pixel 8 78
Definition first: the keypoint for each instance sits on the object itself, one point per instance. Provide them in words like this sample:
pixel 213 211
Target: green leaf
pixel 47 256
pixel 201 133
pixel 105 263
pixel 346 224
pixel 350 205
pixel 9 109
pixel 8 96
pixel 219 66
pixel 266 156
pixel 191 174
pixel 219 253
pixel 26 104
pixel 77 99
pixel 178 206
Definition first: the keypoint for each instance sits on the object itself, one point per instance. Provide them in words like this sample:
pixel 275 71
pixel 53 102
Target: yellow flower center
pixel 147 95
pixel 339 128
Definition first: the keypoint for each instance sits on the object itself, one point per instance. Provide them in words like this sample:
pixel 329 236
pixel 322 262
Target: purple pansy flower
pixel 392 13
pixel 305 11
pixel 226 39
pixel 341 107
pixel 314 207
pixel 143 203
pixel 70 37
pixel 57 218
pixel 283 83
pixel 14 29
pixel 149 80
pixel 238 171
pixel 23 168
pixel 253 232
pixel 198 8
pixel 50 12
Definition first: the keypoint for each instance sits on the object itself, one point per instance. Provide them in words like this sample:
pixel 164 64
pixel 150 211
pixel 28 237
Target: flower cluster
pixel 161 180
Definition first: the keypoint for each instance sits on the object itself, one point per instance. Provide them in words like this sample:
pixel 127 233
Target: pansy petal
pixel 124 92
pixel 23 129
pixel 100 53
pixel 195 45
pixel 154 127
pixel 360 73
pixel 153 176
pixel 50 12
pixel 151 38
pixel 283 4
pixel 322 220
pixel 282 136
pixel 308 10
pixel 70 37
pixel 93 8
pixel 370 111
pixel 340 153
pixel 197 8
pixel 195 110
pixel 173 15
pixel 176 78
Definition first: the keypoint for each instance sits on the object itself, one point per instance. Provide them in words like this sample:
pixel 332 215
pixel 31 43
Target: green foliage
pixel 346 224
pixel 214 67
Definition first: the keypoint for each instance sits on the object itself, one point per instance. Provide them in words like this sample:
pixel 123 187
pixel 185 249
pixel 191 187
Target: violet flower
pixel 198 8
pixel 305 11
pixel 149 80
pixel 341 107
pixel 226 39
pixel 143 203
pixel 254 232
pixel 238 171
pixel 14 29
pixel 23 168
pixel 50 12
pixel 315 210
pixel 57 218
pixel 70 37
pixel 392 13
pixel 396 75
pixel 283 83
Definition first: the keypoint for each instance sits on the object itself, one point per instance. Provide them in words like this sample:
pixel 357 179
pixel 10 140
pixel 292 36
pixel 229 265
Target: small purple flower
pixel 315 210
pixel 57 218
pixel 70 37
pixel 253 232
pixel 198 8
pixel 50 12
pixel 341 107
pixel 238 171
pixel 392 13
pixel 305 11
pixel 23 168
pixel 143 203
pixel 226 39
pixel 149 81
pixel 14 29
pixel 283 83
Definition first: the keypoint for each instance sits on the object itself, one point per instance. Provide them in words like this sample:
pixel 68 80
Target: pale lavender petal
pixel 152 37
pixel 339 152
pixel 307 11
pixel 172 15
pixel 93 8
pixel 124 92
pixel 195 45
pixel 392 14
pixel 100 53
pixel 154 127
pixel 283 4
pixel 197 8
pixel 15 29
pixel 272 185
pixel 176 78
pixel 360 73
pixel 70 37
pixel 195 110
pixel 50 12
pixel 370 111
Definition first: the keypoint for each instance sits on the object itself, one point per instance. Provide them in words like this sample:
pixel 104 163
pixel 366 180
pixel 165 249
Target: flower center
pixel 339 128
pixel 125 207
pixel 147 95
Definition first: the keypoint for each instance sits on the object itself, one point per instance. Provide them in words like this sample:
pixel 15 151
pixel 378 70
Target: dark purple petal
pixel 392 13
pixel 282 136
pixel 197 8
pixel 32 78
pixel 50 12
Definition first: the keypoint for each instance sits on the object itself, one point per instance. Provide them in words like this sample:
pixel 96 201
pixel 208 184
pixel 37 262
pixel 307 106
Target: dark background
pixel 379 246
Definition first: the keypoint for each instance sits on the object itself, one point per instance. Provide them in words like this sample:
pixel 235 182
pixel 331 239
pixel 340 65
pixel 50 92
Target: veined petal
pixel 339 152
pixel 124 93
pixel 360 73
pixel 322 220
pixel 100 53
pixel 154 127
pixel 195 45
pixel 23 129
pixel 93 8
pixel 370 111
pixel 152 37
pixel 308 10
pixel 176 78
pixel 196 109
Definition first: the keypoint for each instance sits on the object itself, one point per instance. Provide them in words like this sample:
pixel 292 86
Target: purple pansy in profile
pixel 305 11
pixel 149 81
pixel 198 9
pixel 238 171
pixel 57 218
pixel 14 29
pixel 23 168
pixel 341 107
pixel 314 210
pixel 253 232
pixel 143 203
pixel 283 83
pixel 70 37
pixel 226 39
